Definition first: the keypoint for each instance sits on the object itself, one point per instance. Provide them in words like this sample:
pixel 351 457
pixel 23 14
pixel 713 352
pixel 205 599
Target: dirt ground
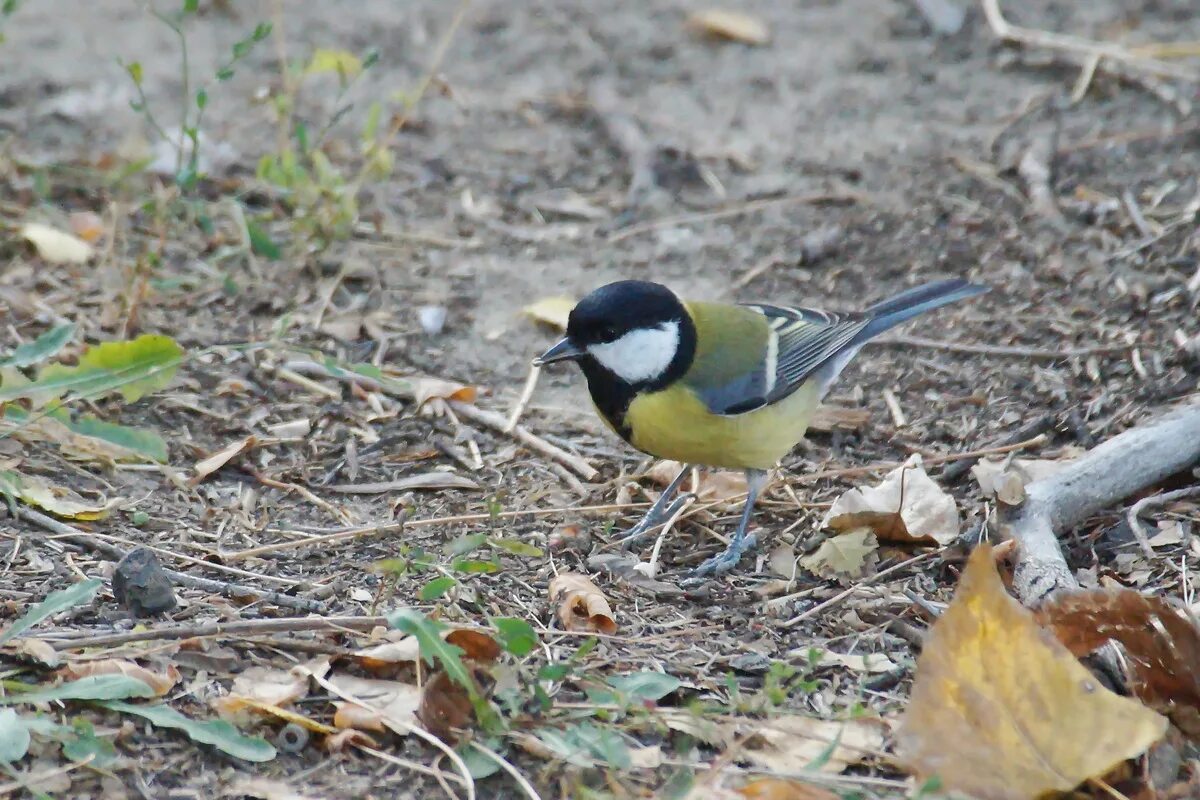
pixel 921 136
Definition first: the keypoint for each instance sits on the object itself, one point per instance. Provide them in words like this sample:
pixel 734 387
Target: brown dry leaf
pixel 393 703
pixel 835 418
pixel 732 26
pixel 552 311
pixel 375 657
pixel 445 708
pixel 55 246
pixel 337 742
pixel 276 686
pixel 581 606
pixel 790 743
pixel 721 486
pixel 86 225
pixel 1162 647
pixel 776 789
pixel 426 389
pixel 38 650
pixel 160 682
pixel 220 458
pixel 475 645
pixel 1006 481
pixel 1000 709
pixel 907 506
pixel 846 556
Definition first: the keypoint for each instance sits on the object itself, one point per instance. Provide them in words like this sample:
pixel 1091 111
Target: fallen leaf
pixel 393 704
pixel 777 789
pixel 233 708
pixel 732 26
pixel 907 506
pixel 55 246
pixel 865 662
pixel 848 555
pixel 214 462
pixel 834 418
pixel 426 389
pixel 445 708
pixel 721 486
pixel 782 561
pixel 277 686
pixel 581 606
pixel 345 64
pixel 1000 709
pixel 86 225
pixel 790 743
pixel 1006 480
pixel 160 682
pixel 404 651
pixel 1162 646
pixel 475 645
pixel 58 500
pixel 552 311
pixel 648 757
pixel 38 650
pixel 350 737
pixel 263 788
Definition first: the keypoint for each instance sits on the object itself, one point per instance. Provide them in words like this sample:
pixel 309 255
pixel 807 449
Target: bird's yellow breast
pixel 674 423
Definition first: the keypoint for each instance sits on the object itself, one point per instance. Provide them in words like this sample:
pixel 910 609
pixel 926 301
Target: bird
pixel 719 385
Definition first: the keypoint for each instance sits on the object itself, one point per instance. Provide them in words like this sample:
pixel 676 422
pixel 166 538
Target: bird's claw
pixel 654 518
pixel 723 561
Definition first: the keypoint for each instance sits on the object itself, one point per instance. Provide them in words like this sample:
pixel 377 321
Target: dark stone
pixel 141 585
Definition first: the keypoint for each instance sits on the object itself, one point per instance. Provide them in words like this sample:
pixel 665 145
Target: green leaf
pixel 61 600
pixel 81 743
pixel 478 765
pixel 134 68
pixel 217 732
pixel 93 687
pixel 341 62
pixel 465 544
pixel 134 369
pixel 261 242
pixel 636 688
pixel 261 31
pixel 516 635
pixel 584 742
pixel 191 6
pixel 141 441
pixel 554 672
pixel 201 99
pixel 14 737
pixel 474 567
pixel 436 588
pixel 118 442
pixel 41 348
pixel 517 548
pixel 224 73
pixel 434 648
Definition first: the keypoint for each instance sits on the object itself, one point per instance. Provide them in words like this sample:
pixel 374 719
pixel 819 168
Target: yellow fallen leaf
pixel 581 606
pixel 732 26
pixel 1001 710
pixel 907 506
pixel 58 500
pixel 208 466
pixel 778 789
pixel 845 556
pixel 160 682
pixel 790 743
pixel 55 246
pixel 233 708
pixel 343 63
pixel 552 311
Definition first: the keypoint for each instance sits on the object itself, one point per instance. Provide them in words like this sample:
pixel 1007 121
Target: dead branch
pixel 1147 503
pixel 77 640
pixel 1118 468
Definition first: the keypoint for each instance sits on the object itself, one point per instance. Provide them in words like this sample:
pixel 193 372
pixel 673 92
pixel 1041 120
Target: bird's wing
pixel 735 376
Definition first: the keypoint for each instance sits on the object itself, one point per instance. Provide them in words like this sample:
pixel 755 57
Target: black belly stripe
pixel 611 395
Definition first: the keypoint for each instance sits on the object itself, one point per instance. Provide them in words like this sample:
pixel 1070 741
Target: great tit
pixel 717 384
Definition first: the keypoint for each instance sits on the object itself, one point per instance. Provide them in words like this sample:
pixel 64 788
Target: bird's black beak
pixel 564 350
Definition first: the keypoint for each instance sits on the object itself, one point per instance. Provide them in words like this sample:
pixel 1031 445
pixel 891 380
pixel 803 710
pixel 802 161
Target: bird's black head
pixel 636 332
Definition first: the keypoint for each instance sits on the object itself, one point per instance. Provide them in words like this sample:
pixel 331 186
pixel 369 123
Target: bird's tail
pixel 906 305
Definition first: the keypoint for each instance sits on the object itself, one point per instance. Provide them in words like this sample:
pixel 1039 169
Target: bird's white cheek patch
pixel 640 355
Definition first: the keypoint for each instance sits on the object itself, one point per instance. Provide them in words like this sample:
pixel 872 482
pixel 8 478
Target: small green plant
pixel 7 9
pixel 192 103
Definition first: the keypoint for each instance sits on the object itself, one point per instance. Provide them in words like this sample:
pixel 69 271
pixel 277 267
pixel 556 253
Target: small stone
pixel 141 585
pixel 432 319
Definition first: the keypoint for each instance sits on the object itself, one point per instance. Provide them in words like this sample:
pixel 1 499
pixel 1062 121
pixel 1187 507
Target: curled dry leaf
pixel 475 645
pixel 777 789
pixel 57 500
pixel 581 606
pixel 393 704
pixel 1000 709
pixel 849 555
pixel 790 743
pixel 87 225
pixel 1006 480
pixel 426 389
pixel 552 311
pixel 209 465
pixel 715 487
pixel 55 246
pixel 732 26
pixel 1162 646
pixel 160 682
pixel 907 506
pixel 445 708
pixel 349 737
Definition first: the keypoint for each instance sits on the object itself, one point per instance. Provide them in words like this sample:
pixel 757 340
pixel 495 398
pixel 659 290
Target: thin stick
pixel 736 211
pixel 999 350
pixel 930 461
pixel 840 596
pixel 496 422
pixel 1147 503
pixel 526 395
pixel 77 640
pixel 525 785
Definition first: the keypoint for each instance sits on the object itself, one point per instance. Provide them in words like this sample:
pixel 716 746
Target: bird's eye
pixel 608 333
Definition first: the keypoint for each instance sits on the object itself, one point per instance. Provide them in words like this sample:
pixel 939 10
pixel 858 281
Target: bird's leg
pixel 662 510
pixel 756 480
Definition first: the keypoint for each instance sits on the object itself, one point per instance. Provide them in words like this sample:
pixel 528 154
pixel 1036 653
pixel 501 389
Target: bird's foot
pixel 654 517
pixel 724 561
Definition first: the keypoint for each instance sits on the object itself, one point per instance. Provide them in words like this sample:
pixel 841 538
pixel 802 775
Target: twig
pixel 525 785
pixel 523 401
pixel 1000 350
pixel 76 536
pixel 496 422
pixel 1147 503
pixel 77 640
pixel 735 211
pixel 1036 428
pixel 1106 474
pixel 840 596
pixel 930 461
pixel 1084 48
